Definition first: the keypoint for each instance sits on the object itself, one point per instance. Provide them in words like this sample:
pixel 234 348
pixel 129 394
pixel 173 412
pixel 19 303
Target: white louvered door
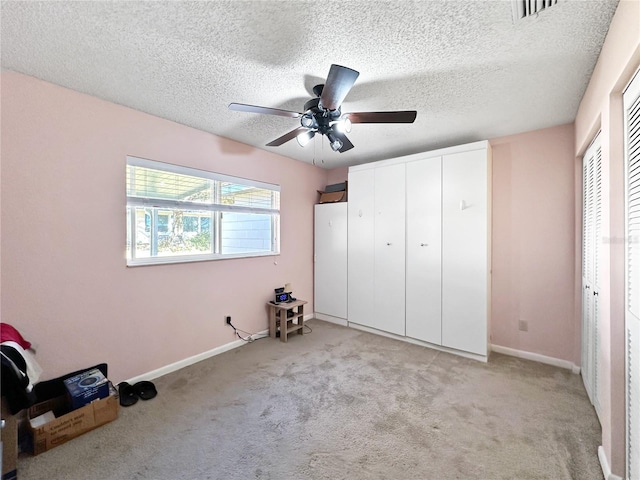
pixel 597 276
pixel 587 246
pixel 591 248
pixel 632 274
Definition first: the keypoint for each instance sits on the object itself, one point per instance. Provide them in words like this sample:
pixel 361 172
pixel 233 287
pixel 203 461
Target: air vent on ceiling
pixel 526 8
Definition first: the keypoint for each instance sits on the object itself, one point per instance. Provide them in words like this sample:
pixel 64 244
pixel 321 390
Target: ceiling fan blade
pixel 346 144
pixel 338 84
pixel 241 107
pixel 287 136
pixel 405 116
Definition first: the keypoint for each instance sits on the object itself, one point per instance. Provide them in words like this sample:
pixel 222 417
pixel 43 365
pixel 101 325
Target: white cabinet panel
pixel 464 251
pixel 330 257
pixel 360 248
pixel 424 250
pixel 389 270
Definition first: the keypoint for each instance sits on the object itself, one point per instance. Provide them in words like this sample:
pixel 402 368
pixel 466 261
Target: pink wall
pixel 601 109
pixel 533 242
pixel 337 175
pixel 65 283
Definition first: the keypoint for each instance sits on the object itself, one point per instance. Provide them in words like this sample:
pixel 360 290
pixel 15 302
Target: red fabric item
pixel 10 334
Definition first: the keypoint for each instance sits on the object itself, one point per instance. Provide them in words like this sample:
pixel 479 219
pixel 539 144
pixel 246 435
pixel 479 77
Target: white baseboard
pixel 332 319
pixel 604 463
pixel 536 357
pixel 191 360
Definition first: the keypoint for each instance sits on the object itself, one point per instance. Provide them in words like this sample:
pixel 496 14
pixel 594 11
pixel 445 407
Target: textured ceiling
pixel 468 69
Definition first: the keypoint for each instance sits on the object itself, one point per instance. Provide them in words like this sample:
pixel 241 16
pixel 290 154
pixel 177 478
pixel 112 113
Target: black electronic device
pixel 283 297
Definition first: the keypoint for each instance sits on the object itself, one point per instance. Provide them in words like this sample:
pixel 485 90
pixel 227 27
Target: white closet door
pixel 424 250
pixel 633 399
pixel 632 274
pixel 330 259
pixel 464 251
pixel 597 277
pixel 361 247
pixel 389 264
pixel 591 248
pixel 587 247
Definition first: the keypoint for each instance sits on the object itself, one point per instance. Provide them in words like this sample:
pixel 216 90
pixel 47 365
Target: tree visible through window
pixel 180 214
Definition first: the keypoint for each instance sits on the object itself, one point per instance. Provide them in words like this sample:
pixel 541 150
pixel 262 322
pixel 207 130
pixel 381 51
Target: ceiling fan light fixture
pixel 307 121
pixel 334 142
pixel 305 137
pixel 343 125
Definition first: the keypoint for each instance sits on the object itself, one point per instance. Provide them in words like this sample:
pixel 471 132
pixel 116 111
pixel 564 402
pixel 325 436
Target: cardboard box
pixel 68 425
pixel 334 193
pixel 9 444
pixel 331 197
pixel 86 387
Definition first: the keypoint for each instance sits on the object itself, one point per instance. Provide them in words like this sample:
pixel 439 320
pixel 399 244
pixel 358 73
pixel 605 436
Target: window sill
pixel 144 262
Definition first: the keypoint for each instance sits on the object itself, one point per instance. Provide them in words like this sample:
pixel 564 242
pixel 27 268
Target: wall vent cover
pixel 527 8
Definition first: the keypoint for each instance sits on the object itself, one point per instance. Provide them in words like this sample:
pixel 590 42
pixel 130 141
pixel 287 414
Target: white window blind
pixel 178 214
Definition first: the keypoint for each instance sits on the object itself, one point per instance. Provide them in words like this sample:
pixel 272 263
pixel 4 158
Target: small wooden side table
pixel 286 327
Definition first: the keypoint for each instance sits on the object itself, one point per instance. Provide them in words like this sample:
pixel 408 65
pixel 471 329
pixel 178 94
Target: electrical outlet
pixel 228 320
pixel 523 326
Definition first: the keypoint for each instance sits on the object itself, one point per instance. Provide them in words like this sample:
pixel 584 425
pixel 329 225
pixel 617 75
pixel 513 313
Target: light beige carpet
pixel 339 403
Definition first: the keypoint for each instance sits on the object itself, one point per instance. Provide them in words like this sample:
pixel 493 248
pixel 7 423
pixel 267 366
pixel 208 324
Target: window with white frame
pixel 180 214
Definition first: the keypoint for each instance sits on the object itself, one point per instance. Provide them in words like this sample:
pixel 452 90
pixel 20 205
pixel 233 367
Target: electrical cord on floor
pixel 250 338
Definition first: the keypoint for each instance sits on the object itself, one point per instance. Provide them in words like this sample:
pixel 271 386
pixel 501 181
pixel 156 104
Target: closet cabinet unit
pixel 376 252
pixel 430 251
pixel 330 262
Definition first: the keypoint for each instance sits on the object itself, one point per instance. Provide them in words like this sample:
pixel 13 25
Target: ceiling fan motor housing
pixel 316 117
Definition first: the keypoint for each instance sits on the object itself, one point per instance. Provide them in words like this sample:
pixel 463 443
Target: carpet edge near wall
pixel 536 357
pixel 172 367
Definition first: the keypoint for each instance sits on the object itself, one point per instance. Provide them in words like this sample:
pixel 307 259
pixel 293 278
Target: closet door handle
pixel 595 293
pixel 389 243
pixel 424 244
